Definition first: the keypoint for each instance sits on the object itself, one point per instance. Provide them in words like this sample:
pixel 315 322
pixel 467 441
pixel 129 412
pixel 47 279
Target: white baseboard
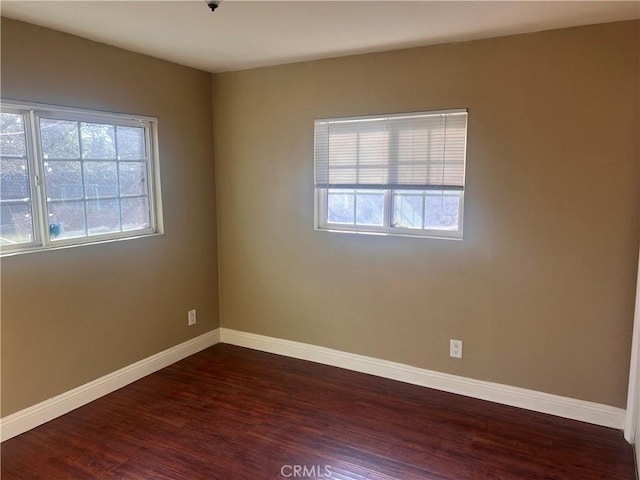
pixel 589 412
pixel 31 417
pixel 584 411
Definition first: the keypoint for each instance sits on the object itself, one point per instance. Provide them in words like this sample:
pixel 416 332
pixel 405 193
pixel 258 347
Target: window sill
pixel 392 233
pixel 49 248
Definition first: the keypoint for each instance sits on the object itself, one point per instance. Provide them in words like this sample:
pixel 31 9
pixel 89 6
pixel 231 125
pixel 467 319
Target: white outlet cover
pixel 455 348
pixel 192 317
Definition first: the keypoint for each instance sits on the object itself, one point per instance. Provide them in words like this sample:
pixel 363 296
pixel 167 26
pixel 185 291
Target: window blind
pixel 416 151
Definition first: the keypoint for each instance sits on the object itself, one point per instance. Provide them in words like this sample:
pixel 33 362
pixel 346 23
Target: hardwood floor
pixel 232 413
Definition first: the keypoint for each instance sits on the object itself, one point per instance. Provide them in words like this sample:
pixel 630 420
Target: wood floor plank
pixel 230 413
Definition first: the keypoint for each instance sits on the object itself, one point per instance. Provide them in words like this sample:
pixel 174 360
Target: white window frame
pixel 321 222
pixel 42 241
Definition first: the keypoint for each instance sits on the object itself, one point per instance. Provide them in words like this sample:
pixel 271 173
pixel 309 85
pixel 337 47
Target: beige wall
pixel 70 316
pixel 541 290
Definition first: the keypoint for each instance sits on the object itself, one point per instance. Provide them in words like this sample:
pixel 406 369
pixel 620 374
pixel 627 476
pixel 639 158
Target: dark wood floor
pixel 231 413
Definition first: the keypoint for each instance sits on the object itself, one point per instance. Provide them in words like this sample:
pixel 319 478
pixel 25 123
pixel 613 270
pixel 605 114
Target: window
pixel 392 174
pixel 71 176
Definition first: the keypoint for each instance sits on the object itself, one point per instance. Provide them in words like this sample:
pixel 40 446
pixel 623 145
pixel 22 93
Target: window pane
pixel 135 213
pixel 59 139
pixel 340 207
pixel 98 141
pixel 66 220
pixel 16 216
pixel 369 208
pixel 131 144
pixel 103 216
pixel 442 210
pixel 16 224
pixel 63 180
pixel 12 136
pixel 133 178
pixel 100 179
pixel 407 209
pixel 14 179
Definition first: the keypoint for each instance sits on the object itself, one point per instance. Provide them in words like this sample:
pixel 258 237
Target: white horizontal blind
pixel 407 151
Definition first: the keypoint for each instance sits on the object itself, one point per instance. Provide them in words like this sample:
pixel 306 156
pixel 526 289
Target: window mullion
pixel 38 204
pixel 355 207
pixel 392 176
pixel 388 206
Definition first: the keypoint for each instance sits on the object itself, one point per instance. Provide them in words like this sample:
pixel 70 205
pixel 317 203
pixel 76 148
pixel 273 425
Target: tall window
pixel 392 174
pixel 71 176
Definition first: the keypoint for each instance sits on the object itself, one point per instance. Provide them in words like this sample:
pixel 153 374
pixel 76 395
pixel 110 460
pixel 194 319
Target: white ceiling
pixel 245 34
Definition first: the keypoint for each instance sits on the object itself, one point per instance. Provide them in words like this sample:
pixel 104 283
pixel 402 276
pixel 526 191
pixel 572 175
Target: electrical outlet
pixel 455 348
pixel 192 317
